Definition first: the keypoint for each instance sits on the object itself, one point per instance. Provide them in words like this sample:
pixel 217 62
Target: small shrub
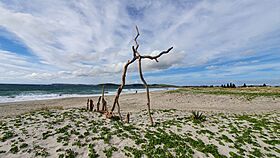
pixel 198 117
pixel 6 135
pixel 24 145
pixel 14 149
pixel 109 152
pixel 40 151
pixel 47 134
pixel 2 151
pixel 91 152
pixel 70 153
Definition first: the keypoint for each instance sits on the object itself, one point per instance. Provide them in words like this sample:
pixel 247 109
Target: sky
pixel 89 41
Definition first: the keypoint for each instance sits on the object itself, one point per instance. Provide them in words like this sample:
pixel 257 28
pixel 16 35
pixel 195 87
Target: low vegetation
pixel 198 117
pixel 79 133
pixel 248 93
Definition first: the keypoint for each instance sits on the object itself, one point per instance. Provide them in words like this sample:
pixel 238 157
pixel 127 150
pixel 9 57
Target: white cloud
pixel 76 39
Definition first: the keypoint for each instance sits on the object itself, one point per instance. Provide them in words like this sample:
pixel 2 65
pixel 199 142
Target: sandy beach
pixel 181 79
pixel 159 100
pixel 233 126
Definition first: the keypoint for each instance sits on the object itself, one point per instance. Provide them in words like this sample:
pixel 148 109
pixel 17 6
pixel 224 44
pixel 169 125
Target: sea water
pixel 27 92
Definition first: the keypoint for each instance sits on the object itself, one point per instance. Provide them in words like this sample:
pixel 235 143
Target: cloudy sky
pixel 88 41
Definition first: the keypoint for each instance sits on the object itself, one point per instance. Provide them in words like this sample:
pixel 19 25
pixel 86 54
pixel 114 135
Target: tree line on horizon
pixel 232 85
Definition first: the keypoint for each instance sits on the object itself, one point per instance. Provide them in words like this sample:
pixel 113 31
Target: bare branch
pixel 135 39
pixel 157 56
pixel 137 45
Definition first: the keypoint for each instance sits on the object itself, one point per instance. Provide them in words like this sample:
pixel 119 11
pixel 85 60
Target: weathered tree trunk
pixel 116 100
pixel 147 91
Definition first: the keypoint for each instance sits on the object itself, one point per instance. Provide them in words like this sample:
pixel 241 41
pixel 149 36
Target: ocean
pixel 27 92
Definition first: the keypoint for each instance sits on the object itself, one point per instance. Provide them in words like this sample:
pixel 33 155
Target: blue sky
pixel 88 41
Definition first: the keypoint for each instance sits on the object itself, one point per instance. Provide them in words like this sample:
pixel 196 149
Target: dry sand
pixel 159 100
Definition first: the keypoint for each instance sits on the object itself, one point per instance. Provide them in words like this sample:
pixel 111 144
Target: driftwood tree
pixel 139 57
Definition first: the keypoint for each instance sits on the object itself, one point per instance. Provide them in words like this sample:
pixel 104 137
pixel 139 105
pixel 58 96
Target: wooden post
pixel 127 117
pixel 87 104
pixel 104 103
pixel 91 105
pixel 98 104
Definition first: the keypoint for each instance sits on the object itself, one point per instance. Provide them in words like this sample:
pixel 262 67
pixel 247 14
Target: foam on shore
pixel 41 96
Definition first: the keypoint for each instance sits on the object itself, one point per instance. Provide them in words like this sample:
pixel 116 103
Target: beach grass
pixel 77 132
pixel 248 93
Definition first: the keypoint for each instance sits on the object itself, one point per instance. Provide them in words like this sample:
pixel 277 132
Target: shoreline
pixel 51 96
